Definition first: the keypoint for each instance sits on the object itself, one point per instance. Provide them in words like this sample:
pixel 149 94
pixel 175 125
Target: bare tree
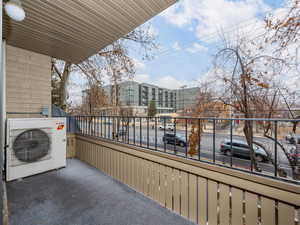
pixel 246 71
pixel 113 61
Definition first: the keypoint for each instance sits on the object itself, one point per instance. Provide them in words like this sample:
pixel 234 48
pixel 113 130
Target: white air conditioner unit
pixel 34 145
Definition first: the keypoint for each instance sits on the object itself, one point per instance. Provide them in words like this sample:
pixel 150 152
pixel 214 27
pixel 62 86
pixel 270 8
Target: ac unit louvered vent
pixel 31 145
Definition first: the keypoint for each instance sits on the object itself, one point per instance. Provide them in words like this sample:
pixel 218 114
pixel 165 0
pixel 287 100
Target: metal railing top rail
pixel 275 155
pixel 201 118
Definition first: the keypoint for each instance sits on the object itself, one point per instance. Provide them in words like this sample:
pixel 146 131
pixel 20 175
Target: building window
pixel 171 100
pixel 153 94
pixel 166 99
pixel 160 97
pixel 145 96
pixel 140 95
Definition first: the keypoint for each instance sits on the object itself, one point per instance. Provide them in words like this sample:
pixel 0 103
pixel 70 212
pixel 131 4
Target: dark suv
pixel 177 139
pixel 241 148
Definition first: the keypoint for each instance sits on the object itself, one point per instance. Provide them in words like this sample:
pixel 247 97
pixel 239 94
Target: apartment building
pixel 136 97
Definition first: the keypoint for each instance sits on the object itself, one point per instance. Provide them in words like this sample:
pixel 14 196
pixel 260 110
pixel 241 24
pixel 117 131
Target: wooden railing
pixel 202 193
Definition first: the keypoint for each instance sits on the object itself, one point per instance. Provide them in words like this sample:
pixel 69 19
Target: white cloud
pixel 212 17
pixel 167 81
pixel 142 78
pixel 138 64
pixel 176 46
pixel 196 47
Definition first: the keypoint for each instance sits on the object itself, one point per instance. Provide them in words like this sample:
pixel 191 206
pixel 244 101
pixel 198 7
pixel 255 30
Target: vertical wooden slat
pixel 118 165
pixel 150 174
pixel 143 177
pixel 202 201
pixel 169 186
pixel 122 168
pixel 193 198
pixel 112 161
pixel 134 173
pixel 104 160
pixel 251 209
pixel 267 211
pixel 237 206
pixel 176 191
pixel 109 162
pixel 156 181
pixel 125 168
pixel 94 155
pixel 212 202
pixel 184 194
pixel 286 214
pixel 224 204
pixel 162 194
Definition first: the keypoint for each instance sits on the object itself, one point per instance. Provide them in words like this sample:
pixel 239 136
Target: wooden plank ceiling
pixel 73 30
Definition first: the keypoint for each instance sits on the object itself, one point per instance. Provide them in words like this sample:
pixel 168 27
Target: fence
pixel 203 193
pixel 214 141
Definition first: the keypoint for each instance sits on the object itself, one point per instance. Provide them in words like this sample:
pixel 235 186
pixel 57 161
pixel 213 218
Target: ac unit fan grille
pixel 31 145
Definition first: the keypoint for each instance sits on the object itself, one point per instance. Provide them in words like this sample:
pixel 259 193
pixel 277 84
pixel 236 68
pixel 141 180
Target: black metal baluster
pixel 186 139
pixel 175 139
pixel 155 133
pixel 105 123
pixel 214 140
pixel 141 131
pixel 275 155
pixel 199 138
pixel 231 129
pixel 134 130
pixel 147 132
pixel 165 140
pixel 251 147
pixel 128 129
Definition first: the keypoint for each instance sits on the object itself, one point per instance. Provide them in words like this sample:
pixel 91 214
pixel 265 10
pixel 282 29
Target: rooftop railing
pixel 270 148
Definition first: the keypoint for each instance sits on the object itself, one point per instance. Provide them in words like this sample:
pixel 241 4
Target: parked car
pixel 241 148
pixel 177 139
pixel 169 126
pixel 291 138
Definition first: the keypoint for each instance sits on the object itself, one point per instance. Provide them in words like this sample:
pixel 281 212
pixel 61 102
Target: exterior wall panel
pixel 28 82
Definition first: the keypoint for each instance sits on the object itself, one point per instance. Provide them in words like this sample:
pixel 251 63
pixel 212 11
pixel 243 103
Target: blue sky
pixel 188 33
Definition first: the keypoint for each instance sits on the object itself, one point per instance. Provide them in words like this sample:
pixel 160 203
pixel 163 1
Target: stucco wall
pixel 28 82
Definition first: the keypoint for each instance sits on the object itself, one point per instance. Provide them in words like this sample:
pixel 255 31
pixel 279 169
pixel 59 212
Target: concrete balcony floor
pixel 82 195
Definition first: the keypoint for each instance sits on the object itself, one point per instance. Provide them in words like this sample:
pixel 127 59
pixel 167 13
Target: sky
pixel 189 34
pixel 189 37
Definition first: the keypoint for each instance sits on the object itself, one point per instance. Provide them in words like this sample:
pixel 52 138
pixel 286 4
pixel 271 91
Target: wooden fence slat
pixel 212 202
pixel 193 198
pixel 251 209
pixel 162 190
pixel 237 206
pixel 184 194
pixel 224 204
pixel 202 201
pixel 267 211
pixel 169 186
pixel 176 191
pixel 156 181
pixel 286 214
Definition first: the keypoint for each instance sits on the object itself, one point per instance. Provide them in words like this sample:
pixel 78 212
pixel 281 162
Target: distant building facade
pixel 135 97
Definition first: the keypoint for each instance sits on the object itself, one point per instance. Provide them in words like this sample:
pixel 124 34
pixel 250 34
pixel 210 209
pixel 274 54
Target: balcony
pixel 81 194
pixel 135 178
